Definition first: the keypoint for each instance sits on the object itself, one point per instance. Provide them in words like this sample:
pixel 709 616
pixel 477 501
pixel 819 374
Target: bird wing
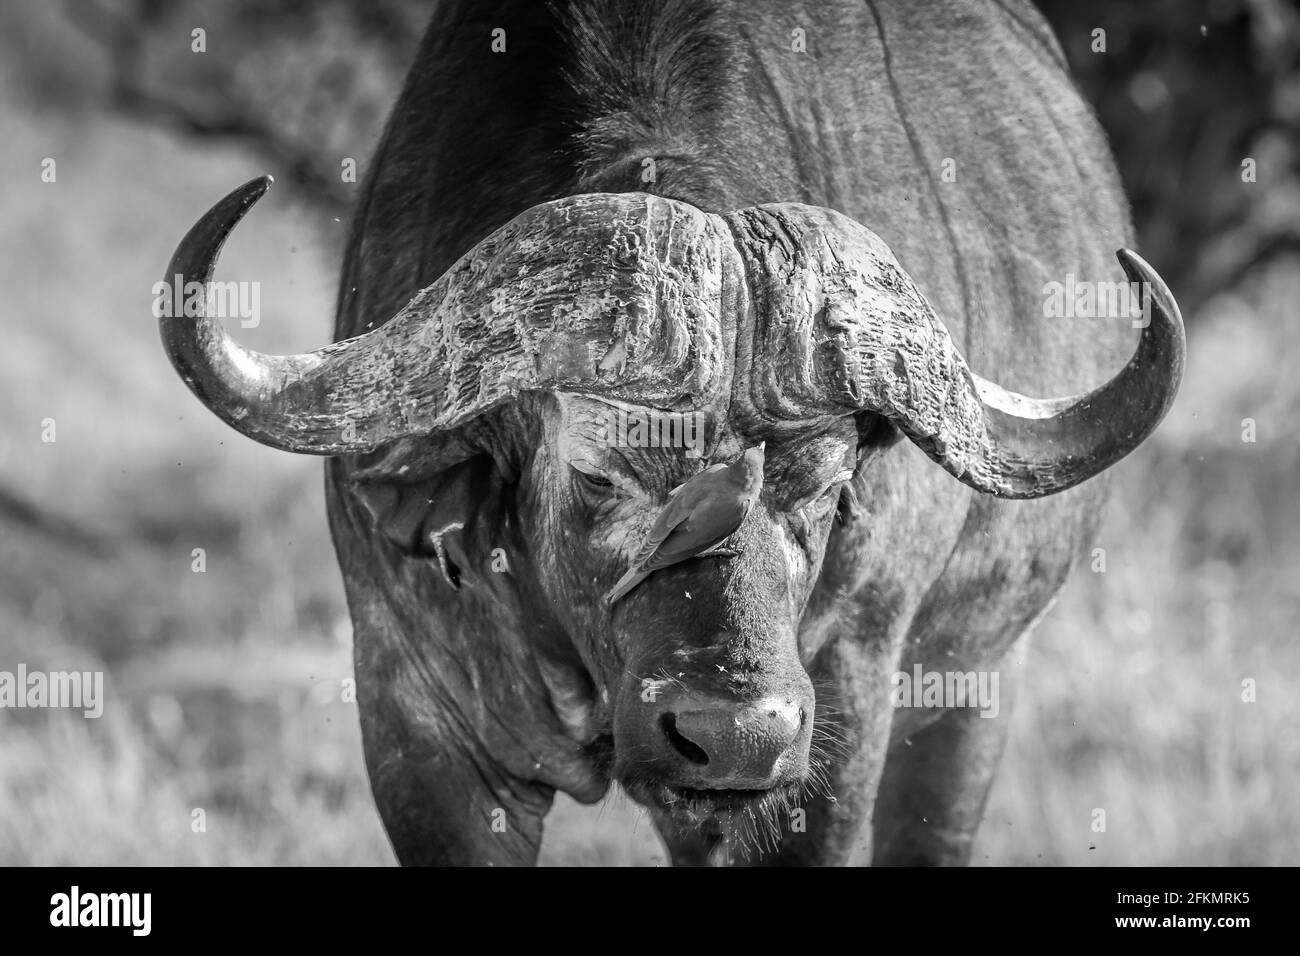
pixel 626 583
pixel 683 501
pixel 701 513
pixel 678 510
pixel 709 524
pixel 695 481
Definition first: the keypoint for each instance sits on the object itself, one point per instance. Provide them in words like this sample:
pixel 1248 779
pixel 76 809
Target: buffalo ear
pixel 397 510
pixel 875 434
pixel 434 519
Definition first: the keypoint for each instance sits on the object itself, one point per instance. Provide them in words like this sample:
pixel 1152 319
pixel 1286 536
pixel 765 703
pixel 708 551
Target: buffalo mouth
pixel 729 825
pixel 723 803
pixel 719 810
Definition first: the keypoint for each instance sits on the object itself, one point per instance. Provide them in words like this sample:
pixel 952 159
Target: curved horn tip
pixel 1132 262
pixel 251 191
pixel 258 185
pixel 1040 436
pixel 1139 270
pixel 196 255
pixel 239 200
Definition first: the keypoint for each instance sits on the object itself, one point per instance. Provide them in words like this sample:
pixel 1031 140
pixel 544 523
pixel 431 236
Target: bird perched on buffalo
pixel 702 513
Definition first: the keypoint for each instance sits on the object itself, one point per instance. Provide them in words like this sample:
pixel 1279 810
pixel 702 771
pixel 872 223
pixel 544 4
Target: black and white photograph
pixel 648 433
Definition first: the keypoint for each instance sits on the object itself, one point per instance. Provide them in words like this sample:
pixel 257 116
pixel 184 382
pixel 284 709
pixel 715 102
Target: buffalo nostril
pixel 684 746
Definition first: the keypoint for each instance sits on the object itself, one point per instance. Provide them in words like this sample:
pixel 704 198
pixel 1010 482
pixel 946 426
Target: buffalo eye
pixel 805 516
pixel 819 507
pixel 830 494
pixel 822 502
pixel 592 486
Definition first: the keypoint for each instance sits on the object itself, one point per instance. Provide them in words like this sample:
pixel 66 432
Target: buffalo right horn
pixel 843 328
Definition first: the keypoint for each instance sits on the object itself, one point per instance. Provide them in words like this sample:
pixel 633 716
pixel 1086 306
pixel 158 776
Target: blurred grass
pixel 224 688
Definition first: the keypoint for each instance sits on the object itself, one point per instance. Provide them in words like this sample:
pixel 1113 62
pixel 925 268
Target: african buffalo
pixel 809 222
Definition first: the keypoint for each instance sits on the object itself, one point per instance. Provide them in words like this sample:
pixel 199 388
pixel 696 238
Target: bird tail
pixel 626 583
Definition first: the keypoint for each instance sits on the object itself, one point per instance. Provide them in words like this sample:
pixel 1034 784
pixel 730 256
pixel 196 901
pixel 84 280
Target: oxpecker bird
pixel 702 513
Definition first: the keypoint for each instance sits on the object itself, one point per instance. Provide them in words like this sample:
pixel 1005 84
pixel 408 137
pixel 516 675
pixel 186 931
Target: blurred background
pixel 224 688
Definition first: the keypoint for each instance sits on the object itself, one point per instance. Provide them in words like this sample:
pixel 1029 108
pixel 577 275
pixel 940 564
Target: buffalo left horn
pixel 616 296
